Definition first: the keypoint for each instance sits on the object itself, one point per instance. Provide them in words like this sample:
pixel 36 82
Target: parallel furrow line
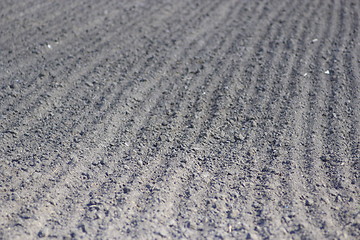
pixel 10 13
pixel 184 141
pixel 60 119
pixel 128 128
pixel 38 11
pixel 66 15
pixel 35 84
pixel 34 96
pixel 313 137
pixel 261 106
pixel 351 63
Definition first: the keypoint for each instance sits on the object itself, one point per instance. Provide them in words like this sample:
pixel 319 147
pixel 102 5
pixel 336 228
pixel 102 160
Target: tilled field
pixel 225 119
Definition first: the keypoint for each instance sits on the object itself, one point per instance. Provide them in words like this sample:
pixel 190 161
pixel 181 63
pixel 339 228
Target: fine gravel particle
pixel 314 40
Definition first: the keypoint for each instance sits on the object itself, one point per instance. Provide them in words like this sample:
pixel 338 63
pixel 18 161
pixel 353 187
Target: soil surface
pixel 194 119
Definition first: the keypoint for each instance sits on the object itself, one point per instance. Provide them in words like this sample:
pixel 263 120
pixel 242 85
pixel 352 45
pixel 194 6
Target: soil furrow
pixel 23 8
pixel 80 126
pixel 45 118
pixel 48 72
pixel 186 146
pixel 129 131
pixel 352 81
pixel 315 136
pixel 336 154
pixel 168 148
pixel 270 135
pixel 73 29
pixel 74 103
pixel 171 119
pixel 37 15
pixel 275 151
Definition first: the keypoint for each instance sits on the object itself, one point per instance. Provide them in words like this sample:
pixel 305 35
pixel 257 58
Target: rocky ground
pixel 194 119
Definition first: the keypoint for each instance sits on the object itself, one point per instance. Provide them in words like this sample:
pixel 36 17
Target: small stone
pixel 233 214
pixel 162 232
pixel 89 84
pixel 49 46
pixel 327 72
pixel 13 132
pixel 309 202
pixel 325 200
pixel 253 123
pixel 324 158
pixel 239 137
pixel 314 40
pixel 41 234
pixel 338 198
pixel 126 190
pixel 251 236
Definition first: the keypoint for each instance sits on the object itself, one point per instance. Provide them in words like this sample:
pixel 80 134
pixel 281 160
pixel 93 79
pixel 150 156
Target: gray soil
pixel 194 119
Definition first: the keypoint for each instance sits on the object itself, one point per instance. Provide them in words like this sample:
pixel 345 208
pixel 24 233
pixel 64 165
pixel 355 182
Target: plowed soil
pixel 194 119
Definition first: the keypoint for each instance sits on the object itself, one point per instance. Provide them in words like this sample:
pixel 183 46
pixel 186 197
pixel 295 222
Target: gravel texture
pixel 193 119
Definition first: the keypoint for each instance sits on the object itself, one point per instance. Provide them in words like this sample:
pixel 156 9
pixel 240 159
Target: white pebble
pixel 327 72
pixel 49 46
